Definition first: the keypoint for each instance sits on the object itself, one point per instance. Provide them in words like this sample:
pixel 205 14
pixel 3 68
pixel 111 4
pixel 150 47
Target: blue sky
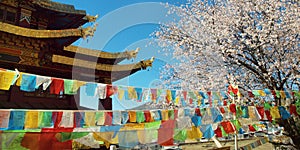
pixel 126 25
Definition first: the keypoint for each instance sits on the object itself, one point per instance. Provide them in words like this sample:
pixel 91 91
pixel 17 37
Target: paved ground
pixel 211 145
pixel 267 146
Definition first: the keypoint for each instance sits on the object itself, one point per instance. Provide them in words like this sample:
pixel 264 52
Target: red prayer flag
pixel 108 118
pixel 218 132
pixel 166 132
pixel 191 101
pixel 293 110
pixel 57 85
pixel 261 112
pixel 233 89
pixel 222 110
pixel 232 108
pixel 147 115
pixel 56 118
pixel 109 90
pixel 268 113
pixel 49 141
pixel 251 128
pixel 225 102
pixel 274 94
pixel 175 113
pixel 198 112
pixel 228 127
pixel 184 95
pixel 31 140
pixel 250 94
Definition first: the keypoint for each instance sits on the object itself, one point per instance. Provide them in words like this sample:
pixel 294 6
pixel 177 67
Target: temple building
pixel 37 36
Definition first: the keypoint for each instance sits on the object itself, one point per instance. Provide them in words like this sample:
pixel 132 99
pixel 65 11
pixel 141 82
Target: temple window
pixel 10 17
pixel 8 14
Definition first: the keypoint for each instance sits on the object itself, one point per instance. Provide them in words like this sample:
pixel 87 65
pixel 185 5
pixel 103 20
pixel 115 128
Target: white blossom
pixel 256 42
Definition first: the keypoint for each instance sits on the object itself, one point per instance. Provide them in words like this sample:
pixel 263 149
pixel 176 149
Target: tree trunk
pixel 292 130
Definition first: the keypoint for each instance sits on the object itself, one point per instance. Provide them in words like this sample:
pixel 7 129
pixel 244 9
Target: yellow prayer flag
pixel 31 120
pixel 261 93
pixel 199 102
pixel 78 84
pixel 194 133
pixel 282 95
pixel 177 100
pixel 168 96
pixel 90 118
pixel 274 111
pixel 165 115
pixel 6 79
pixel 251 111
pixel 132 93
pixel 18 83
pixel 132 116
pixel 133 126
pixel 121 93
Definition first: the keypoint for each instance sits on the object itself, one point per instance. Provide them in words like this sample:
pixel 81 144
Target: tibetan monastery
pixel 36 37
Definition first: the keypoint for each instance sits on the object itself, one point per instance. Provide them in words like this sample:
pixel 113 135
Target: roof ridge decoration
pixel 89 31
pixel 104 67
pixel 21 31
pixel 128 54
pixel 91 18
pixel 146 63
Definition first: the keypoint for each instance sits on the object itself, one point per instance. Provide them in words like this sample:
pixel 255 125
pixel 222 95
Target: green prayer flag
pixel 255 127
pixel 239 111
pixel 180 135
pixel 65 136
pixel 231 94
pixel 46 119
pixel 153 125
pixel 237 124
pixel 223 132
pixel 256 93
pixel 267 106
pixel 12 140
pixel 68 87
pixel 171 114
pixel 277 93
pixel 140 117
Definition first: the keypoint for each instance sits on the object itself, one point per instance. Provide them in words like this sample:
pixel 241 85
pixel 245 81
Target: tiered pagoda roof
pixel 36 37
pixel 34 48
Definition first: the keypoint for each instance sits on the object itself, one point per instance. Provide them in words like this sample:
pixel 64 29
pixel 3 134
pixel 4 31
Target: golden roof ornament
pixel 89 31
pixel 91 18
pixel 147 63
pixel 132 54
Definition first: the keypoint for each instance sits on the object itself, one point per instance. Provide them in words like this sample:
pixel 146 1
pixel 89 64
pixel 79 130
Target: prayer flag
pixel 28 83
pixel 6 79
pixel 4 119
pixel 132 95
pixel 31 120
pixel 16 120
pixel 56 86
pixel 90 118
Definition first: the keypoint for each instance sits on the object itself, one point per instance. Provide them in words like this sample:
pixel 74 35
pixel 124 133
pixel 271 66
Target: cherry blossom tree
pixel 255 43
